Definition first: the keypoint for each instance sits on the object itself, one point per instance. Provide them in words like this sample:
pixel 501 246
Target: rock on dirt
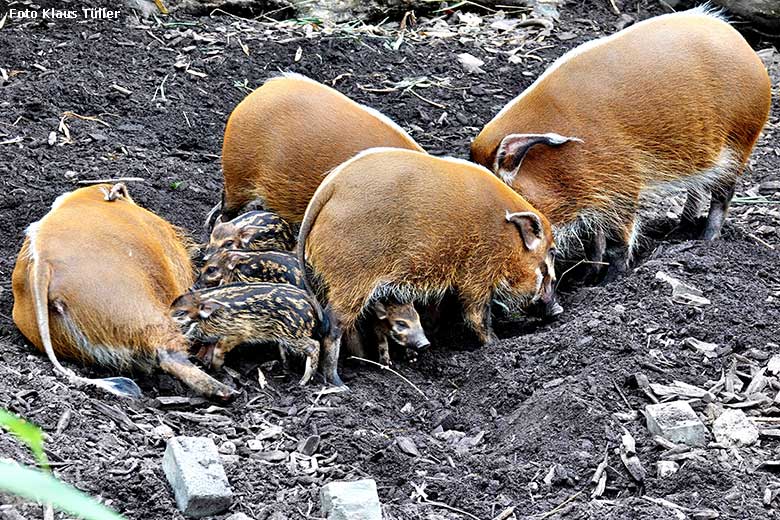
pixel 733 428
pixel 666 468
pixel 239 516
pixel 356 500
pixel 194 470
pixel 677 422
pixel 682 292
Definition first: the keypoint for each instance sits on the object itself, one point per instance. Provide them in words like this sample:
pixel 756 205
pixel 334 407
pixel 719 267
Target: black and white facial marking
pixel 545 276
pixel 182 314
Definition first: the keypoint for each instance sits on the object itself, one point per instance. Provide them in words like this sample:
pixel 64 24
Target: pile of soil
pixel 522 423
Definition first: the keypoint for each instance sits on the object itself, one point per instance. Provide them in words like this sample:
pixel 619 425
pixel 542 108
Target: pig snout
pixel 546 306
pixel 417 340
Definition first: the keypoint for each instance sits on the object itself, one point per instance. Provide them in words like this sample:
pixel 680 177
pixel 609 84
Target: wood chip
pixel 630 459
pixel 309 446
pixel 683 390
pixel 121 89
pixel 63 422
pixel 407 445
pixel 115 414
pixel 271 456
pixel 172 401
pixel 600 477
pixel 758 383
pixel 244 46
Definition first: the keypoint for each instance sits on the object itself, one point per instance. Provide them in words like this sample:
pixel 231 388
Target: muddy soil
pixel 522 423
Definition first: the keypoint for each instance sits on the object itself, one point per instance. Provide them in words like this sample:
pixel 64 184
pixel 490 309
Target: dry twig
pixel 385 367
pixel 111 181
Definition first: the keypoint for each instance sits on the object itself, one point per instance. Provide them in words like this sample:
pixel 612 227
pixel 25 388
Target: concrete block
pixel 193 468
pixel 677 422
pixel 733 428
pixel 357 500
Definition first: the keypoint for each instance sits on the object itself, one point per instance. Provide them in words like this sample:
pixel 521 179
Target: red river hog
pixel 408 226
pixel 93 283
pixel 676 101
pixel 283 138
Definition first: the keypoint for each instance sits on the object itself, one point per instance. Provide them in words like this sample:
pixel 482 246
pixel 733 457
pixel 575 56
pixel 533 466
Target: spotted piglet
pixel 254 230
pixel 227 316
pixel 228 266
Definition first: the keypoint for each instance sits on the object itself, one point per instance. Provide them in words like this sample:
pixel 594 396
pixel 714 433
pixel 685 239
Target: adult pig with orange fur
pixel 283 138
pixel 93 282
pixel 410 226
pixel 676 101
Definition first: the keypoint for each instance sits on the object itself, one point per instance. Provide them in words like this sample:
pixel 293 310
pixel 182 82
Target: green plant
pixel 42 486
pixel 28 433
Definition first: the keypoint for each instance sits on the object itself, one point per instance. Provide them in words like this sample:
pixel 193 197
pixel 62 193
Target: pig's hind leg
pixel 310 348
pixel 175 362
pixel 221 349
pixel 476 313
pixel 691 210
pixel 719 207
pixel 595 247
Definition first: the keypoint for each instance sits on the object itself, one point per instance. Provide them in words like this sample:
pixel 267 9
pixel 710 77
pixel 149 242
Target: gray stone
pixel 733 428
pixel 773 367
pixel 227 448
pixel 193 468
pixel 683 293
pixel 239 516
pixel 677 422
pixel 666 468
pixel 357 500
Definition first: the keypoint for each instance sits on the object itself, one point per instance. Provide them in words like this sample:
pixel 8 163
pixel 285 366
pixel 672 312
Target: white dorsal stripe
pixel 701 11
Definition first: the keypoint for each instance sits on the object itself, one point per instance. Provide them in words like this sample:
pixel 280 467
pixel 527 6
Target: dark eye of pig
pixel 229 243
pixel 401 325
pixel 211 270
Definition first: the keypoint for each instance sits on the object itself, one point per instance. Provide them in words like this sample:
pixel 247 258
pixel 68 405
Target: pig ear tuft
pixel 207 309
pixel 245 236
pixel 514 147
pixel 530 227
pixel 379 310
pixel 232 260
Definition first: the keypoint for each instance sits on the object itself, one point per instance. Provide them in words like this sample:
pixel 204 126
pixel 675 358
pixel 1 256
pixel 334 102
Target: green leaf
pixel 27 433
pixel 175 185
pixel 43 487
